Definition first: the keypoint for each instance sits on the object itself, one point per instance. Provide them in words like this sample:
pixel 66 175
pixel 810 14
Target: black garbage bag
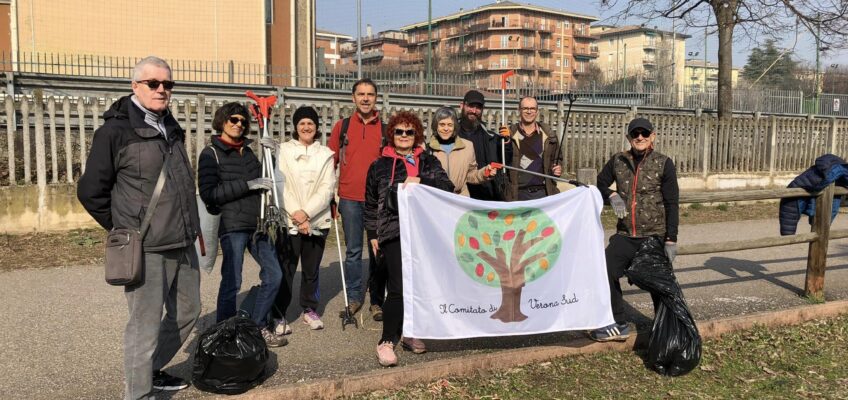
pixel 675 344
pixel 231 357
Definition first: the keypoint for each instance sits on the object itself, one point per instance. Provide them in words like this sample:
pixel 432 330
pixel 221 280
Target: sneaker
pixel 376 312
pixel 614 332
pixel 414 345
pixel 311 318
pixel 354 307
pixel 282 327
pixel 272 340
pixel 386 354
pixel 165 381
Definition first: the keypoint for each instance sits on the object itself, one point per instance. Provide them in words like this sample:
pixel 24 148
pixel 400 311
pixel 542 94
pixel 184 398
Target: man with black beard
pixel 487 146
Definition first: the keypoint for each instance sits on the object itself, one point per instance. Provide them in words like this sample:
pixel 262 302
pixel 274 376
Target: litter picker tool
pixel 270 216
pixel 504 83
pixel 556 178
pixel 346 316
pixel 571 99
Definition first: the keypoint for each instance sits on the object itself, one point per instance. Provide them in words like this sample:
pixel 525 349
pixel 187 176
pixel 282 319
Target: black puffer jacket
pixel 380 222
pixel 122 169
pixel 223 184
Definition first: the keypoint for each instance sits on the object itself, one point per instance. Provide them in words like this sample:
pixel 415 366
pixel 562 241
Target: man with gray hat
pixel 487 146
pixel 646 203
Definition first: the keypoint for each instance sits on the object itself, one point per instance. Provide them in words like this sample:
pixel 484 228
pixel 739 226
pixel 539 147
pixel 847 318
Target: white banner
pixel 476 268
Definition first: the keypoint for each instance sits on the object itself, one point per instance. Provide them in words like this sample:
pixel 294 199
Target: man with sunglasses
pixel 487 146
pixel 127 155
pixel 535 149
pixel 646 203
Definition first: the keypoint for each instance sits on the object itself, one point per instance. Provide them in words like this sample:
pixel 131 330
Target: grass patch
pixel 804 361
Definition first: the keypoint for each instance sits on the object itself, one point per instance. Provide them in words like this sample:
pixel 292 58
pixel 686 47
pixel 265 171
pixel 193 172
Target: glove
pixel 671 250
pixel 504 132
pixel 618 206
pixel 260 184
pixel 270 144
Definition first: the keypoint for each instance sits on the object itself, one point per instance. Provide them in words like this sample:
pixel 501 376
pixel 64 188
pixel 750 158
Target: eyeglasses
pixel 153 84
pixel 237 120
pixel 528 109
pixel 639 132
pixel 404 132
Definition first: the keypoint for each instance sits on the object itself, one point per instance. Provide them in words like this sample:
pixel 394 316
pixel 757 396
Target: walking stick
pixel 571 99
pixel 346 316
pixel 270 220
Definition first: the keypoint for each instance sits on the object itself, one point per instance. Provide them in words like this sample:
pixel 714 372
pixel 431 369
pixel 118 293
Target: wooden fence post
pixel 831 138
pixel 200 139
pixel 40 156
pixel 817 254
pixel 705 145
pixel 27 147
pixel 81 125
pixel 69 148
pixel 11 131
pixel 772 144
pixel 588 176
pixel 54 155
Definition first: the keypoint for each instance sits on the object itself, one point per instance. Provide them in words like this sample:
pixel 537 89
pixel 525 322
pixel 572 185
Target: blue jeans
pixel 233 245
pixel 353 223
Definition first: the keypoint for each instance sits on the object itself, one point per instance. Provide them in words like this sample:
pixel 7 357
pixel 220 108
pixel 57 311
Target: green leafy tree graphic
pixel 507 249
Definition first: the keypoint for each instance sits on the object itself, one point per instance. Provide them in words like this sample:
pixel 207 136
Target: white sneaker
pixel 311 318
pixel 282 327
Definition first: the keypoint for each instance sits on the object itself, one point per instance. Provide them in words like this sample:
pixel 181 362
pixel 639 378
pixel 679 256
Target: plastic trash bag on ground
pixel 231 357
pixel 209 227
pixel 675 344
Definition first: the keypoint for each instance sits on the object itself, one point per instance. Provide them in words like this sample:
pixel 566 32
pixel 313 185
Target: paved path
pixel 60 328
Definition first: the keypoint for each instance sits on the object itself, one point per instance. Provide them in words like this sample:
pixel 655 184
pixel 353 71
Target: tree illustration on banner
pixel 507 249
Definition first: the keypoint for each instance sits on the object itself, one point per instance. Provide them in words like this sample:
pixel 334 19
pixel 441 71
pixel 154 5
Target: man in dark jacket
pixel 126 157
pixel 646 203
pixel 535 149
pixel 487 146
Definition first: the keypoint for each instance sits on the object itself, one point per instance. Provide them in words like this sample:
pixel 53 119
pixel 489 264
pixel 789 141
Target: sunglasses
pixel 237 120
pixel 153 84
pixel 640 132
pixel 404 132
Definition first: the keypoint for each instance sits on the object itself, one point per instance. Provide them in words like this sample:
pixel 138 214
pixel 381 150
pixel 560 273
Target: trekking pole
pixel 346 316
pixel 504 83
pixel 556 178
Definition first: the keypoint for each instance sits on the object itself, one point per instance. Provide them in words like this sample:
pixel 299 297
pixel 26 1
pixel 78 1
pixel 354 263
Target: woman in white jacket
pixel 307 166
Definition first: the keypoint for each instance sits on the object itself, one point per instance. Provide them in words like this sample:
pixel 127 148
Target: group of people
pixel 364 163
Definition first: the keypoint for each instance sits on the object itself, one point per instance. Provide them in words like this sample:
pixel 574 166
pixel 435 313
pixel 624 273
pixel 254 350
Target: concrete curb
pixel 428 371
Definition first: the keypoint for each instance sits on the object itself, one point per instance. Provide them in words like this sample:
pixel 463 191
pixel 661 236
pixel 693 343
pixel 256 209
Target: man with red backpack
pixel 356 142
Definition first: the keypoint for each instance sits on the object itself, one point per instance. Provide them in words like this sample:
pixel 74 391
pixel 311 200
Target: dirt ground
pixel 85 246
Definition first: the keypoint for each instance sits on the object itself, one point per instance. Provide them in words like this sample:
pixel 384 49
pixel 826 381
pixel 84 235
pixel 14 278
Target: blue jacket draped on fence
pixel 827 169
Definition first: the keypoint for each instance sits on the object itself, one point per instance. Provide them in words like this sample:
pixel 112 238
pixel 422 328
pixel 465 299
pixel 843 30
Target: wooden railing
pixel 818 238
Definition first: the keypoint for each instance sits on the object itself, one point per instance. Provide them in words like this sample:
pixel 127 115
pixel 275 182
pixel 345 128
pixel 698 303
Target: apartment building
pixel 254 33
pixel 700 76
pixel 548 48
pixel 640 54
pixel 328 47
pixel 385 49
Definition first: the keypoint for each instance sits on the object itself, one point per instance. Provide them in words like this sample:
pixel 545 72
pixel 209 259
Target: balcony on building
pixel 584 34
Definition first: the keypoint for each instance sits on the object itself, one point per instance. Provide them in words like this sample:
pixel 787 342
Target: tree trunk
pixel 510 310
pixel 725 16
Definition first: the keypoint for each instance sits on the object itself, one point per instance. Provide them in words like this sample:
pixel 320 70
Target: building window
pixel 504 61
pixel 610 42
pixel 559 42
pixel 567 24
pixel 269 11
pixel 557 62
pixel 504 41
pixel 564 62
pixel 333 44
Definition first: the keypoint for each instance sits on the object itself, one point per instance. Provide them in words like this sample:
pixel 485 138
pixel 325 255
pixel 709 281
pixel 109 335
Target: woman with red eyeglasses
pixel 231 183
pixel 403 161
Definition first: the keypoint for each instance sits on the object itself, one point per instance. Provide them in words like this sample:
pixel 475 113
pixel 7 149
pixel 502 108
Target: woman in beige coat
pixel 307 166
pixel 455 153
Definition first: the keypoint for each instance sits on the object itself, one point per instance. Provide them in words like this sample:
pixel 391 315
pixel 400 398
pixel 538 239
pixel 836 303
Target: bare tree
pixel 827 20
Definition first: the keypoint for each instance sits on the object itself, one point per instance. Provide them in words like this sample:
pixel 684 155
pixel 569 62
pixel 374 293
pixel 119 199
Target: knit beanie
pixel 304 112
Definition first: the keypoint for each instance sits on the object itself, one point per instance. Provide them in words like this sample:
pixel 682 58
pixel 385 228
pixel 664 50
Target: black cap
pixel 474 97
pixel 304 112
pixel 640 123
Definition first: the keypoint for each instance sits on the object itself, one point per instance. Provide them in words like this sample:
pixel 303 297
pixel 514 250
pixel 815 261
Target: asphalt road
pixel 61 328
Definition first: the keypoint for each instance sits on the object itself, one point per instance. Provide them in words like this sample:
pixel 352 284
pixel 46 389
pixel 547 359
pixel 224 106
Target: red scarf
pixel 411 170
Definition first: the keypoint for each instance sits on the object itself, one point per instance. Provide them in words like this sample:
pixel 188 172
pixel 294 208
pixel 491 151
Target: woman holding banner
pixel 403 160
pixel 455 153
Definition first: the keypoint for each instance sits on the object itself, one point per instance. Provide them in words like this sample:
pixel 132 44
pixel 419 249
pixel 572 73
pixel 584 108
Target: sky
pixel 340 16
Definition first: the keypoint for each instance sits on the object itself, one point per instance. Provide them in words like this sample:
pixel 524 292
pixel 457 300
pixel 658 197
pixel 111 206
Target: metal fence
pixel 47 138
pixel 442 83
